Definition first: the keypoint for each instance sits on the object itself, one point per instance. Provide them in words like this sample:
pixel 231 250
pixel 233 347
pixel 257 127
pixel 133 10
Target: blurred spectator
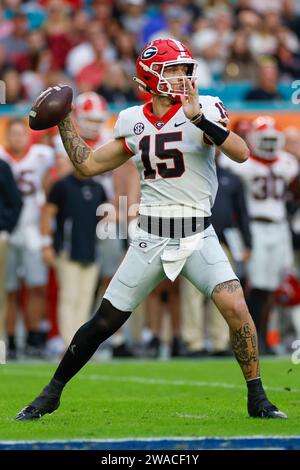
pixel 87 52
pixel 36 42
pixel 15 44
pixel 14 91
pixel 6 26
pixel 29 164
pixel 165 298
pixel 212 42
pixel 102 11
pixel 133 16
pixel 75 4
pixel 53 77
pixel 280 6
pixel 117 87
pixel 35 14
pixel 80 25
pixel 35 64
pixel 4 64
pixel 91 76
pixel 58 21
pixel 263 41
pixel 248 21
pixel 241 64
pixel 58 26
pixel 73 203
pixel 11 6
pixel 126 52
pixel 292 141
pixel 267 82
pixel 266 175
pixel 177 21
pixel 288 54
pixel 203 74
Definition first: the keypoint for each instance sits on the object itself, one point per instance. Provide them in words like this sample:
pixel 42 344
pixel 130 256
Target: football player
pixel 266 175
pixel 29 164
pixel 172 139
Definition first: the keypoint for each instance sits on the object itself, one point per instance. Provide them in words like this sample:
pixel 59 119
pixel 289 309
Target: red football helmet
pixel 154 59
pixel 288 293
pixel 264 138
pixel 242 127
pixel 91 112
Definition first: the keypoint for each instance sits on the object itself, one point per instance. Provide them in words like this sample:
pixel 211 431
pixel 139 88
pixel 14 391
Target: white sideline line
pixel 157 439
pixel 142 380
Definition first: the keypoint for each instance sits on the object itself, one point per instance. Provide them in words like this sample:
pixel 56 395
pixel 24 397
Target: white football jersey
pixel 28 173
pixel 177 168
pixel 265 183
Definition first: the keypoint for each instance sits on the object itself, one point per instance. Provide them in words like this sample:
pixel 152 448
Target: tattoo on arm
pixel 76 148
pixel 229 286
pixel 244 346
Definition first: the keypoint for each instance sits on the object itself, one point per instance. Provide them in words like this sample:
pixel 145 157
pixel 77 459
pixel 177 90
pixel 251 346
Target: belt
pixel 265 220
pixel 174 227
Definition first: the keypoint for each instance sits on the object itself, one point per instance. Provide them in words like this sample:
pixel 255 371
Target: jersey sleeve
pixel 242 171
pixel 214 109
pixel 46 158
pixel 291 167
pixel 122 131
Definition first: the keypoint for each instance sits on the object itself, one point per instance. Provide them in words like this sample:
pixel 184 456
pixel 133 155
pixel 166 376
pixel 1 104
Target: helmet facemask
pixel 266 144
pixel 165 85
pixel 90 128
pixel 176 84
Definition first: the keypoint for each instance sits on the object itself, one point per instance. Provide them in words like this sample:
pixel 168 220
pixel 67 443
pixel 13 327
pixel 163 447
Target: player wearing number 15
pixel 172 140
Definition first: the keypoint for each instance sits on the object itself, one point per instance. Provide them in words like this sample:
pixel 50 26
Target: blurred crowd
pixel 92 44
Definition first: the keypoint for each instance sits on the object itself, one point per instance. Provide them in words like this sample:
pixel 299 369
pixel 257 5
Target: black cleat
pixel 260 407
pixel 46 402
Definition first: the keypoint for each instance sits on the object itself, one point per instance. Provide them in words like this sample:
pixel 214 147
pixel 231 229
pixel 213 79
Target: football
pixel 51 107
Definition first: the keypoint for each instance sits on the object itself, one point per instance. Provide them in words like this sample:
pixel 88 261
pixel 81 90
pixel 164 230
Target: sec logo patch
pixel 138 128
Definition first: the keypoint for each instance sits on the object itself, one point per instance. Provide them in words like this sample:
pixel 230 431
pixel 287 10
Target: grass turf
pixel 149 399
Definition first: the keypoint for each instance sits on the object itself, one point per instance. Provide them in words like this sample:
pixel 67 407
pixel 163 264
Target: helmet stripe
pixel 179 45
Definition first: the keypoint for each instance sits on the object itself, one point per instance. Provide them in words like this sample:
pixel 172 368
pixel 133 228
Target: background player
pixel 29 164
pixel 267 175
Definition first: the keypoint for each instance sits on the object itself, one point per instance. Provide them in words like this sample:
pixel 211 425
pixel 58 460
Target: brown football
pixel 51 107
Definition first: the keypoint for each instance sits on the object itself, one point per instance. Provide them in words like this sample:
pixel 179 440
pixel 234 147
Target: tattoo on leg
pixel 75 146
pixel 229 286
pixel 244 346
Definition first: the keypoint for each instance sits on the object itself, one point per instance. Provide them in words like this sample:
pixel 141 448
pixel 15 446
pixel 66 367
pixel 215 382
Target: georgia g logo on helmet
pixel 155 58
pixel 149 52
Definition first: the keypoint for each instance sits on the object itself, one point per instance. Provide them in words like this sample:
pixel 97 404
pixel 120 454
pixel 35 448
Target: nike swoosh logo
pixel 177 124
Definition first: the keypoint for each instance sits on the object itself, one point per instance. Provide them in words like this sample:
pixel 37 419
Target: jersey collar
pixel 264 161
pixel 13 157
pixel 159 123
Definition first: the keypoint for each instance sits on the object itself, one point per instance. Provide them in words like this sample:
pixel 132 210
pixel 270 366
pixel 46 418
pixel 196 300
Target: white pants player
pixel 142 268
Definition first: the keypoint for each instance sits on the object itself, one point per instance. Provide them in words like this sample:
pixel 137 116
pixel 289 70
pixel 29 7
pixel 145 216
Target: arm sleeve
pixel 215 110
pixel 12 199
pixel 241 211
pixel 120 132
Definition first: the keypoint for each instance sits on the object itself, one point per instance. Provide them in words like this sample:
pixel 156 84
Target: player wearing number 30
pixel 172 140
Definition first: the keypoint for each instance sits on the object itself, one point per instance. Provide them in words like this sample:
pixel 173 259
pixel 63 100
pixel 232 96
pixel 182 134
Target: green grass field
pixel 149 399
